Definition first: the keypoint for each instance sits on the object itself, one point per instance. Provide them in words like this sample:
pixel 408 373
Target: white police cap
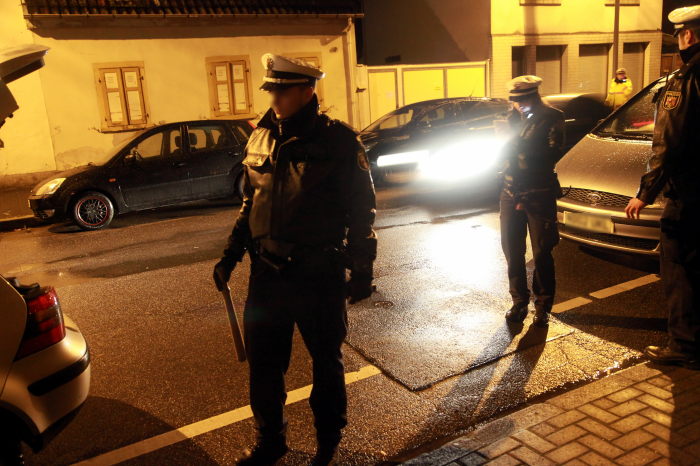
pixel 283 72
pixel 523 86
pixel 684 17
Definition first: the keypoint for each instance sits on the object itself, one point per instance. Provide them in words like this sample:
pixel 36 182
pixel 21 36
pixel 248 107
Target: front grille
pixel 595 198
pixel 615 240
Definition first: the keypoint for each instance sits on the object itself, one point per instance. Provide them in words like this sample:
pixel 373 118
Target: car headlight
pixel 401 158
pixel 50 187
pixel 465 159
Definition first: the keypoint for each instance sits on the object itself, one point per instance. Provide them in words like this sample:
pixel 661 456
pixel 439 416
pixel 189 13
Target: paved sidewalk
pixel 642 415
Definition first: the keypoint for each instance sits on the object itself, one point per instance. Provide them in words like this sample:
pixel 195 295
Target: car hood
pixel 605 164
pixel 66 174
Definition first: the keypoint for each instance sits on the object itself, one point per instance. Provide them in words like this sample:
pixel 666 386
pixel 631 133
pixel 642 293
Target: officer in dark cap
pixel 528 199
pixel 674 169
pixel 307 215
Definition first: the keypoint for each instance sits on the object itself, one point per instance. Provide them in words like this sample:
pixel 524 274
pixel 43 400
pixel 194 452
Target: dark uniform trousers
pixel 540 218
pixel 680 273
pixel 311 294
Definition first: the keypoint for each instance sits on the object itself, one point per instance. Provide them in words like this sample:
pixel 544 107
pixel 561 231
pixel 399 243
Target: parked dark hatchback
pixel 152 169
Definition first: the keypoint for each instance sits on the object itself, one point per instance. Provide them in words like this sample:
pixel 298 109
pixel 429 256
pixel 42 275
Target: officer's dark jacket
pixel 306 182
pixel 534 149
pixel 675 162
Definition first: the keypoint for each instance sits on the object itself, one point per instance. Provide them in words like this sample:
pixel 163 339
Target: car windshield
pixel 634 120
pixel 396 119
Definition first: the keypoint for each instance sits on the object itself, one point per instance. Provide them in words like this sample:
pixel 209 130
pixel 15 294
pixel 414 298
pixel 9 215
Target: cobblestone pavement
pixel 643 415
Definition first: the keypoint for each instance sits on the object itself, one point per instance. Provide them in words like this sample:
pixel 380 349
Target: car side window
pixel 438 116
pixel 480 114
pixel 150 147
pixel 242 131
pixel 174 142
pixel 207 137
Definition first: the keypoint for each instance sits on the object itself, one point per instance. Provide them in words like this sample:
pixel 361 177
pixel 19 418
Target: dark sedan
pixel 443 138
pixel 165 165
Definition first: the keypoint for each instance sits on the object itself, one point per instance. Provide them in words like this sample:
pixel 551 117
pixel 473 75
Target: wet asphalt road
pixel 162 358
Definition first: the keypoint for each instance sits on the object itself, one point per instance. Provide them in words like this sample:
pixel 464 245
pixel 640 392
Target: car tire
pixel 239 185
pixel 92 211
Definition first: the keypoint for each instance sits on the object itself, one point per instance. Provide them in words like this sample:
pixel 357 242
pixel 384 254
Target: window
pixel 636 118
pixel 122 101
pixel 206 137
pixel 242 131
pixel 540 2
pixel 481 114
pixel 395 119
pixel 438 116
pixel 164 143
pixel 229 86
pixel 150 147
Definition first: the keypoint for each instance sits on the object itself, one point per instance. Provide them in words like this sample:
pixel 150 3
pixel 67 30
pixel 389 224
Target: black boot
pixel 517 313
pixel 325 454
pixel 264 453
pixel 541 317
pixel 667 355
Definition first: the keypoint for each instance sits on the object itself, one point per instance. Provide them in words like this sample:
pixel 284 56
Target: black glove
pixel 359 287
pixel 222 273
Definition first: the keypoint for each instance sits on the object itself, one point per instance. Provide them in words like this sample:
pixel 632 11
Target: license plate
pixel 595 223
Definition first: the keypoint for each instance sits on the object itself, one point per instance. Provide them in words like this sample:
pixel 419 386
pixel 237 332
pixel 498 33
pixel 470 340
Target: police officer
pixel 528 199
pixel 307 215
pixel 675 170
pixel 620 89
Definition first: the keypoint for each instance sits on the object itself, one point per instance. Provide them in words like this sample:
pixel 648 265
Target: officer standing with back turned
pixel 528 199
pixel 675 170
pixel 307 215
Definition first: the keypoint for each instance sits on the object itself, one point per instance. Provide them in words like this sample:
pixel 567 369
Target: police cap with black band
pixel 284 72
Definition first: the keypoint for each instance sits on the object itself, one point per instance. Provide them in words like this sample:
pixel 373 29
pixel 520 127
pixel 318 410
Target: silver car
pixel 601 174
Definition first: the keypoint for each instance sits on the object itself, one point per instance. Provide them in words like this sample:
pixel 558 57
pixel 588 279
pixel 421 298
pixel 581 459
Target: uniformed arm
pixel 240 237
pixel 555 138
pixel 361 210
pixel 669 144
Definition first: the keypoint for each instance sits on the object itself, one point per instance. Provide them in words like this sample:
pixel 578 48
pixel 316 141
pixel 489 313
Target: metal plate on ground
pixel 448 305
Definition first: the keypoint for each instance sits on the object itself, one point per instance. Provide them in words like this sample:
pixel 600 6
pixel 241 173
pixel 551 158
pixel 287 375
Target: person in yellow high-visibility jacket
pixel 620 89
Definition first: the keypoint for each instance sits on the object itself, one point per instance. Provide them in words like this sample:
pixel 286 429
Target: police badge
pixel 671 100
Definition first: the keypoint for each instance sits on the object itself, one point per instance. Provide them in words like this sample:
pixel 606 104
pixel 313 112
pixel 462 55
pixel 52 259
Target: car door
pixel 154 170
pixel 213 153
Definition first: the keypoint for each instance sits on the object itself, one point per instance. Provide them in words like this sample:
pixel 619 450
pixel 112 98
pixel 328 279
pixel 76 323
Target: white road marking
pixel 570 304
pixel 207 425
pixel 626 286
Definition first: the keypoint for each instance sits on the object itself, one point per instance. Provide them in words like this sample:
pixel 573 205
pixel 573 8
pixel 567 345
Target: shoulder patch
pixel 671 100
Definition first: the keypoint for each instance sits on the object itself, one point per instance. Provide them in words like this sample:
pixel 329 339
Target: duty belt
pixel 281 254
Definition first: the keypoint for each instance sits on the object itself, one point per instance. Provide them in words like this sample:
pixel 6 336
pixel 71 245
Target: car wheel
pixel 239 185
pixel 92 211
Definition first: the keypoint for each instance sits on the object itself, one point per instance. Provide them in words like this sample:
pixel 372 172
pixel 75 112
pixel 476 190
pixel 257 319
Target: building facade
pixel 117 66
pixel 569 43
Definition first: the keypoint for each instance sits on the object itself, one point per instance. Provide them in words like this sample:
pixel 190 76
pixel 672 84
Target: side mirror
pixel 132 157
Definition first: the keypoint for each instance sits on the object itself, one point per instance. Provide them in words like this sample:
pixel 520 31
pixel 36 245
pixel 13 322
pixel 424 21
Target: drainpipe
pixel 350 60
pixel 616 37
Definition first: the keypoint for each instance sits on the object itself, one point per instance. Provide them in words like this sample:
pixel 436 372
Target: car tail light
pixel 44 323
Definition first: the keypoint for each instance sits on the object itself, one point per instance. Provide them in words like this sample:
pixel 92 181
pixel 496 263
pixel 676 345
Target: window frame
pixel 119 69
pixel 213 83
pixel 226 130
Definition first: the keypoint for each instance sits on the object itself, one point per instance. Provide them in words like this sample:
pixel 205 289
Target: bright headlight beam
pixel 401 158
pixel 465 159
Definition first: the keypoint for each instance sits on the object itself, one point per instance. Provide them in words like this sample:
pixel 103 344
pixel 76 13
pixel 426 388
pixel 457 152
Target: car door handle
pixel 179 164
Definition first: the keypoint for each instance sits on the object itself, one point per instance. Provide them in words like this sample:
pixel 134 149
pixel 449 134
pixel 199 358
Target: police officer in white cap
pixel 307 215
pixel 528 199
pixel 674 169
